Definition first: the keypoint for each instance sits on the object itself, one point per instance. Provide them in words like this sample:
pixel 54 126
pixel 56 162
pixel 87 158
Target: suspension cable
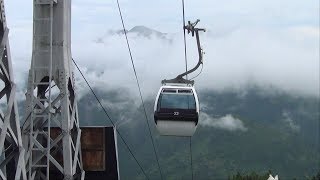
pixel 184 38
pixel 186 61
pixel 106 113
pixel 191 165
pixel 138 84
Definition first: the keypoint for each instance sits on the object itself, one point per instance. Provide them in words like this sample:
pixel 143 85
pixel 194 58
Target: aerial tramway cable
pixel 186 60
pixel 184 38
pixel 191 164
pixel 138 84
pixel 176 108
pixel 105 111
pixel 191 28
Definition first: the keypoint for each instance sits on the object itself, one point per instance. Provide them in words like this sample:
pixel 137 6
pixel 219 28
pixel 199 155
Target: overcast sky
pixel 271 43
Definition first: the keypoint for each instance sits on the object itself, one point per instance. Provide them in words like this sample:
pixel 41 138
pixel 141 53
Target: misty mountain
pixel 146 32
pixel 139 31
pixel 246 131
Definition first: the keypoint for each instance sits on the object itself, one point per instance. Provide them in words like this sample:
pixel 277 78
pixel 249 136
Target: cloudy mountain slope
pixel 237 132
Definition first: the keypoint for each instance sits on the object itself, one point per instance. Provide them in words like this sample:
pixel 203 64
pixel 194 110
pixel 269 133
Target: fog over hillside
pixel 270 59
pixel 277 60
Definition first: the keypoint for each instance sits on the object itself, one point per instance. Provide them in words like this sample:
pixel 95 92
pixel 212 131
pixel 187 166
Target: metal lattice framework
pixel 50 98
pixel 12 165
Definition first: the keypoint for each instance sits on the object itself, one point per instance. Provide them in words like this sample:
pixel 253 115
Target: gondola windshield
pixel 177 101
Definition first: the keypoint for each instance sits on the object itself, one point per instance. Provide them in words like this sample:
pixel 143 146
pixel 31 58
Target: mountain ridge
pixel 269 143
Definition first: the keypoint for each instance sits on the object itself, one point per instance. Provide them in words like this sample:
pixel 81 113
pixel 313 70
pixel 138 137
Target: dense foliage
pixel 250 176
pixel 265 176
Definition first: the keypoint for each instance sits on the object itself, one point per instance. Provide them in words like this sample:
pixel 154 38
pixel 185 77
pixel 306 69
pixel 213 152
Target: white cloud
pixel 303 32
pixel 265 57
pixel 289 121
pixel 239 50
pixel 227 122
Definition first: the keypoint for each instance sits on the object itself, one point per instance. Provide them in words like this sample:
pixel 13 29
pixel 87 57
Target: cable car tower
pixel 51 98
pixel 11 149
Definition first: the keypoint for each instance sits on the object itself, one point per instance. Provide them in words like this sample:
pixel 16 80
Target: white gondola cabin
pixel 176 110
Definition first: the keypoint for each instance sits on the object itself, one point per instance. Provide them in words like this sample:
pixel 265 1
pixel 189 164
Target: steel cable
pixel 138 84
pixel 105 111
pixel 186 61
pixel 184 38
pixel 191 165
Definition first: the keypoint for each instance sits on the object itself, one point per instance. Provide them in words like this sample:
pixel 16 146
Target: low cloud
pixel 290 122
pixel 283 56
pixel 227 122
pixel 285 59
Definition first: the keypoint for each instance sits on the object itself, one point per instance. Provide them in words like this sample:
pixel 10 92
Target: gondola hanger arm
pixel 191 28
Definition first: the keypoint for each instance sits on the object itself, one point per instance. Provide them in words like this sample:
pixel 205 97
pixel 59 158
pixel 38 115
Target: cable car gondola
pixel 176 108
